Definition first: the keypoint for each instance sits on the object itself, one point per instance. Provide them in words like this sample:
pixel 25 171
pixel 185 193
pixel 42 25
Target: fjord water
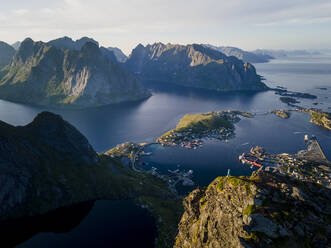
pixel 144 121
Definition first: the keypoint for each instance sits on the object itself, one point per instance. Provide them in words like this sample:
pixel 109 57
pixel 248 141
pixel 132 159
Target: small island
pixel 286 93
pixel 192 128
pixel 289 100
pixel 281 113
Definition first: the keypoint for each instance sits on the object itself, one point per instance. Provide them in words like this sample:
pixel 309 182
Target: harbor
pixel 309 165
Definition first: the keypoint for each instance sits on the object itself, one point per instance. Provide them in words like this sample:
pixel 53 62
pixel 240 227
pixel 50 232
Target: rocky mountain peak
pixel 6 53
pixel 44 74
pixel 192 65
pixel 90 49
pixel 261 211
pixel 68 43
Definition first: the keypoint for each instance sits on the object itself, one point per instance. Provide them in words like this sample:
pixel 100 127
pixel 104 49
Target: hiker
pixel 228 174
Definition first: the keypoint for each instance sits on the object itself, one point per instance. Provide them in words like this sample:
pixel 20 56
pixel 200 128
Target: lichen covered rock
pixel 264 210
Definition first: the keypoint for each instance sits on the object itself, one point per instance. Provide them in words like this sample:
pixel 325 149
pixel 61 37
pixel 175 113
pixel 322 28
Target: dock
pixel 314 151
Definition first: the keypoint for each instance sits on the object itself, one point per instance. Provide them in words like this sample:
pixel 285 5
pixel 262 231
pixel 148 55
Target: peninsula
pixel 319 117
pixel 193 128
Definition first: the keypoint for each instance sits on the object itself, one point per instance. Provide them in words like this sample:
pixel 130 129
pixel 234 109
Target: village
pixel 211 125
pixel 131 155
pixel 192 140
pixel 308 165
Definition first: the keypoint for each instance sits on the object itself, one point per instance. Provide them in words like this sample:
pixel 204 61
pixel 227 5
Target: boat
pixel 244 160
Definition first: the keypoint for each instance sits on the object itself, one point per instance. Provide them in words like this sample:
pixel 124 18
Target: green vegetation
pixel 320 118
pixel 219 183
pixel 252 237
pixel 167 213
pixel 250 209
pixel 218 125
pixel 197 123
pixel 202 122
pixel 59 178
pixel 123 150
pixel 281 113
pixel 43 75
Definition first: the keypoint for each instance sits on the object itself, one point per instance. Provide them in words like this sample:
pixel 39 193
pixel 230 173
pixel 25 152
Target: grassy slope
pixel 321 118
pixel 204 122
pixel 199 123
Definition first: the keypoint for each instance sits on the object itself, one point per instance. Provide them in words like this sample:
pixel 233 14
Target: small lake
pixel 109 222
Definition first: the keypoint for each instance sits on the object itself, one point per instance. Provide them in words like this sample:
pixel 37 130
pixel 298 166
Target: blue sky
pixel 248 24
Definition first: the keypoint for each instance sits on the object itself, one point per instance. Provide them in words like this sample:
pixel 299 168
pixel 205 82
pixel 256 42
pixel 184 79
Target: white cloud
pixel 20 12
pixel 128 22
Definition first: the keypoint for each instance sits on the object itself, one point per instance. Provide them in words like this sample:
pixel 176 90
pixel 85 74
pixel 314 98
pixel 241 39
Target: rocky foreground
pixel 288 207
pixel 264 210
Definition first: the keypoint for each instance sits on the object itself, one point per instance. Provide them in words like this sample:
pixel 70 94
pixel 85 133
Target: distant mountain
pixel 285 53
pixel 45 75
pixel 192 66
pixel 109 54
pixel 68 43
pixel 121 57
pixel 243 55
pixel 6 53
pixel 16 45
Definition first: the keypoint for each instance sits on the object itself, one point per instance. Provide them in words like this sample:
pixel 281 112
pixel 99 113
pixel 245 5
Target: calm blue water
pixel 144 121
pixel 109 224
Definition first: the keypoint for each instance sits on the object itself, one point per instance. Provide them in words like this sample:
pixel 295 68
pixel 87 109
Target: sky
pixel 248 24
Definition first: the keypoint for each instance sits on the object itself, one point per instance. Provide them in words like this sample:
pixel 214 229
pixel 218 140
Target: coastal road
pixel 133 161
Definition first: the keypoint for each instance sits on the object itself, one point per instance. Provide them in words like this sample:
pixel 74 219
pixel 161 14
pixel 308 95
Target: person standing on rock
pixel 228 174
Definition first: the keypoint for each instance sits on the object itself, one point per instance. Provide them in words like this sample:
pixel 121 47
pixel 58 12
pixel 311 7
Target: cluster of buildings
pixel 298 166
pixel 193 140
pixel 174 177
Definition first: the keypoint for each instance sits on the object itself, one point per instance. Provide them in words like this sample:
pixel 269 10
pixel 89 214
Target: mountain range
pixel 120 56
pixel 79 74
pixel 286 53
pixel 16 45
pixel 251 57
pixel 53 75
pixel 193 65
pixel 6 53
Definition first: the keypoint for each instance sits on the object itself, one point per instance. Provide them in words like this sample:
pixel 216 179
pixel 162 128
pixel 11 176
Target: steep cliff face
pixel 6 53
pixel 192 66
pixel 44 75
pixel 264 210
pixel 120 56
pixel 49 164
pixel 16 45
pixel 33 158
